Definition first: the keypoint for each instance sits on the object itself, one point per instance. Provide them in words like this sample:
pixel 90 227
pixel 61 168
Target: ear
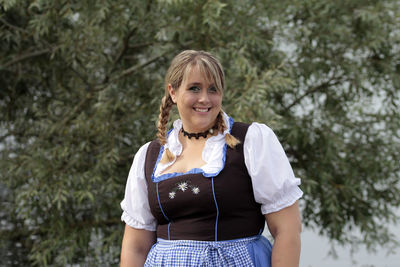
pixel 172 93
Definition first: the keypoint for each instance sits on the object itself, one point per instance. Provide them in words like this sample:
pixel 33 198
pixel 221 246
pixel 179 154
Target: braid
pixel 165 108
pixel 220 123
pixel 230 140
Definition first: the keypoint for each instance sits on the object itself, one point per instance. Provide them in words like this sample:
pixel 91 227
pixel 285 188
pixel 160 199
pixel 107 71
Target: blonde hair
pixel 181 65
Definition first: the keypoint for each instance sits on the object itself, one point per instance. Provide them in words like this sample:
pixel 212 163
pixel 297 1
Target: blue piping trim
pixel 192 171
pixel 165 216
pixel 169 236
pixel 159 204
pixel 216 205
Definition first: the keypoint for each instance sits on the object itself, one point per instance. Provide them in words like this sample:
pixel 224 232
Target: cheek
pixel 190 98
pixel 186 101
pixel 217 100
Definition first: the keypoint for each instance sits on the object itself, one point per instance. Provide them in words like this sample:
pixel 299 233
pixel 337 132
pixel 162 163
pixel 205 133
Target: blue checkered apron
pixel 251 251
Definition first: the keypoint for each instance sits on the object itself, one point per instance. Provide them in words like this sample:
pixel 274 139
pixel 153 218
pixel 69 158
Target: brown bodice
pixel 195 207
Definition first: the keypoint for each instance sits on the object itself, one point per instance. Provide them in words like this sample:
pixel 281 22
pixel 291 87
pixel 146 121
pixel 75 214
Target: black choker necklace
pixel 198 135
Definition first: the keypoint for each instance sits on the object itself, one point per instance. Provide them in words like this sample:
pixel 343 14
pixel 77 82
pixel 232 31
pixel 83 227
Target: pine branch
pixel 143 45
pixel 92 90
pixel 124 47
pixel 26 56
pixel 130 71
pixel 13 26
pixel 77 108
pixel 312 90
pixel 137 67
pixel 29 55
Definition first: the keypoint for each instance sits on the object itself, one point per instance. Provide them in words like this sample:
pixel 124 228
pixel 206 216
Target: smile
pixel 202 109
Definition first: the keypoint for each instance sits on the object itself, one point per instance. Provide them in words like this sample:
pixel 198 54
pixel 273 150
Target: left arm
pixel 285 227
pixel 274 186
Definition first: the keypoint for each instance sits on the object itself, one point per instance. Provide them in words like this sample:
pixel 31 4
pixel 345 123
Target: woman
pixel 200 194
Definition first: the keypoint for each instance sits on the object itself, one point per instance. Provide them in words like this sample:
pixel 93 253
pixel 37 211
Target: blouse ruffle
pixel 274 184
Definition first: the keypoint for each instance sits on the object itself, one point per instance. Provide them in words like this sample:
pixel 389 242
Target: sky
pixel 315 249
pixel 315 252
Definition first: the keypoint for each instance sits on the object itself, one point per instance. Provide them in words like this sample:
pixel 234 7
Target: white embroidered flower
pixel 195 190
pixel 172 195
pixel 182 186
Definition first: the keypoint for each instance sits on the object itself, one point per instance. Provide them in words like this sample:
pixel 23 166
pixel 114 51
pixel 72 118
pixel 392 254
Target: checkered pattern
pixel 200 253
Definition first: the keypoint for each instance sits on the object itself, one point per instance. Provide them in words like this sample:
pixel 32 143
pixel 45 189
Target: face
pixel 198 102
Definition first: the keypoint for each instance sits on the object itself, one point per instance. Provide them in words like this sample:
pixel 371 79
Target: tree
pixel 81 83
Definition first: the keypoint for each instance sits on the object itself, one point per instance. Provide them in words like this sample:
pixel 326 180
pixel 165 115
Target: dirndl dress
pixel 250 251
pixel 206 219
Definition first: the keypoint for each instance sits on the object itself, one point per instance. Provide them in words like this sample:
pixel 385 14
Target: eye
pixel 213 89
pixel 194 88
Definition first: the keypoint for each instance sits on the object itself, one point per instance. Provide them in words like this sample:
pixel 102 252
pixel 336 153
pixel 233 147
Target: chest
pixel 193 206
pixel 190 158
pixel 195 196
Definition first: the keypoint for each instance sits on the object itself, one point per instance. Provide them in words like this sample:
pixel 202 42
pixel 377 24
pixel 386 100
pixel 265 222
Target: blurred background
pixel 80 88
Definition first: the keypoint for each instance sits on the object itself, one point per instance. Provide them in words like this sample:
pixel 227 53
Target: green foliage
pixel 81 82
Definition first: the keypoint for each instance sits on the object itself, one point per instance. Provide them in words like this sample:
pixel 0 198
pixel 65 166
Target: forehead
pixel 196 74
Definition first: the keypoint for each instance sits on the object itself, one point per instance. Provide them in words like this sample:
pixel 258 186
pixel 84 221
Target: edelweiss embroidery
pixel 195 190
pixel 183 186
pixel 172 195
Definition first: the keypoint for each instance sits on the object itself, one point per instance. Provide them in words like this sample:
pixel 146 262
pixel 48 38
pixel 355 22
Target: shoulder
pixel 260 137
pixel 143 149
pixel 254 131
pixel 150 148
pixel 255 127
pixel 153 145
pixel 140 154
pixel 259 130
pixel 240 125
pixel 239 130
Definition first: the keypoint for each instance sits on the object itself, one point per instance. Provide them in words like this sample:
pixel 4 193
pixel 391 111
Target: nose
pixel 204 97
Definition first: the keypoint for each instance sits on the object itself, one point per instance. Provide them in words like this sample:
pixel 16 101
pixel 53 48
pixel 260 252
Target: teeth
pixel 201 109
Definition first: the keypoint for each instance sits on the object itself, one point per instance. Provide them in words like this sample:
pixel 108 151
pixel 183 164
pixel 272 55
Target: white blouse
pixel 274 185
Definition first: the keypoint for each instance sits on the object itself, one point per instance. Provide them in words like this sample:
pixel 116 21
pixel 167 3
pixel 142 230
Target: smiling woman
pixel 201 194
pixel 198 101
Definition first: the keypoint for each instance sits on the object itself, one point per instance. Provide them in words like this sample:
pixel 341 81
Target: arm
pixel 136 243
pixel 140 224
pixel 275 187
pixel 285 227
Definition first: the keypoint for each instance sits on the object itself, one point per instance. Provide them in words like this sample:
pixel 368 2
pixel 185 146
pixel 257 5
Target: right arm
pixel 136 244
pixel 140 224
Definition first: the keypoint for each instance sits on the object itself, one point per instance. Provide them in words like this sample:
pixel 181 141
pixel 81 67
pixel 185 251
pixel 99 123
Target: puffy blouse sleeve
pixel 135 205
pixel 274 184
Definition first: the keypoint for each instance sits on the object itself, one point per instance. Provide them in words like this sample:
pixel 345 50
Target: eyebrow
pixel 199 84
pixel 195 83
